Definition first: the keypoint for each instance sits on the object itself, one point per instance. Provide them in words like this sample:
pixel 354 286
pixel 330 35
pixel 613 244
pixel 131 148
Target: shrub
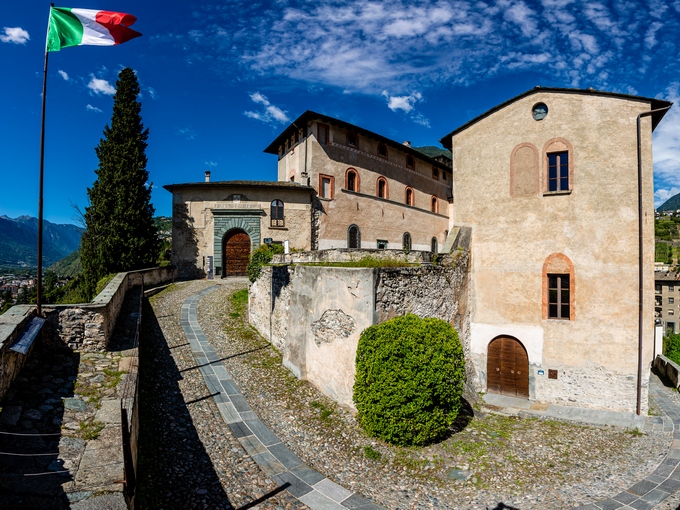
pixel 409 380
pixel 263 255
pixel 672 347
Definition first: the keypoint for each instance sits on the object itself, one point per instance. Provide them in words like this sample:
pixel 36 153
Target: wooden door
pixel 507 368
pixel 236 253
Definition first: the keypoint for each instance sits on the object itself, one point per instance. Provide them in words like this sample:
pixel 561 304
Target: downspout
pixel 640 254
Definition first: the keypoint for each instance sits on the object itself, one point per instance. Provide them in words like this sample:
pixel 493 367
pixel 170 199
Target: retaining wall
pixel 668 368
pixel 12 324
pixel 314 315
pixel 89 326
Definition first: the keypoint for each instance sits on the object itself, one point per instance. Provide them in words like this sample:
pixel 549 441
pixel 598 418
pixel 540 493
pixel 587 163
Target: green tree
pixel 120 233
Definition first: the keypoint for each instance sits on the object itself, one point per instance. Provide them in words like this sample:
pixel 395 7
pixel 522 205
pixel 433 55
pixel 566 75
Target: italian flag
pixel 81 27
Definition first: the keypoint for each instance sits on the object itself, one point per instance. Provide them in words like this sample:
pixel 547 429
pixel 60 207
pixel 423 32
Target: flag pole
pixel 38 298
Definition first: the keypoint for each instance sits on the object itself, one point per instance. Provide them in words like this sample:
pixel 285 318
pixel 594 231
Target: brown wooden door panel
pixel 236 248
pixel 507 367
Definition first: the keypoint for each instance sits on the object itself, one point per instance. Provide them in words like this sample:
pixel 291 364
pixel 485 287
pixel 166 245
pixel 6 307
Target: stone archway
pixel 507 367
pixel 235 253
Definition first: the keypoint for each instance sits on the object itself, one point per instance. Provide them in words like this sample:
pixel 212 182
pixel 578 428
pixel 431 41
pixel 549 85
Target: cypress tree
pixel 120 234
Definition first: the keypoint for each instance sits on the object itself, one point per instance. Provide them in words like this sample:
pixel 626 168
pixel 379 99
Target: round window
pixel 539 111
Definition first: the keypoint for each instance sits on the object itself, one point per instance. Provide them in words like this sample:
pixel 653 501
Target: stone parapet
pixel 12 324
pixel 89 326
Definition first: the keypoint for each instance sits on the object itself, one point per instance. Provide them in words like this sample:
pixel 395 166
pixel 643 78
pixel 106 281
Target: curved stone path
pixel 320 493
pixel 274 458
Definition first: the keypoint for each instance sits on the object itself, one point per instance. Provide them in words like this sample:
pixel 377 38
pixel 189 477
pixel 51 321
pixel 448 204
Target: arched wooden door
pixel 235 253
pixel 507 367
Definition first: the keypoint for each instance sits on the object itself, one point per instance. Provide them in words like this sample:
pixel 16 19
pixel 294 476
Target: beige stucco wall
pixel 376 218
pixel 194 220
pixel 595 226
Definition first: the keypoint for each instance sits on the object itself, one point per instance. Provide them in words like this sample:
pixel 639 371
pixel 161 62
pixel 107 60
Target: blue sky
pixel 221 79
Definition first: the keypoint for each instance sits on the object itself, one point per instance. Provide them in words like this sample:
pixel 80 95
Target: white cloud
pixel 271 114
pixel 404 103
pixel 187 132
pixel 91 108
pixel 666 146
pixel 210 163
pixel 64 75
pixel 152 92
pixel 368 46
pixel 16 35
pixel 662 195
pixel 99 86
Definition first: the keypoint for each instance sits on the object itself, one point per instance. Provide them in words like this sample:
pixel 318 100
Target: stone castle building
pixel 547 184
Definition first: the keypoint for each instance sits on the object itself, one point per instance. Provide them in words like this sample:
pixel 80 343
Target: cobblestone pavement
pixel 489 462
pixel 56 427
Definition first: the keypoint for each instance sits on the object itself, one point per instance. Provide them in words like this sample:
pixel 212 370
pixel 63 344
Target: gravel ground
pixel 490 460
pixel 188 457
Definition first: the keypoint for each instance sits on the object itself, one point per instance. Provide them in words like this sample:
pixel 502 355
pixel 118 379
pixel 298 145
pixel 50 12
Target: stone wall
pixel 89 326
pixel 668 368
pixel 12 323
pixel 314 315
pixel 353 255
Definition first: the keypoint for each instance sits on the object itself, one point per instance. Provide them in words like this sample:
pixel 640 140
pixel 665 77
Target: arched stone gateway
pixel 235 253
pixel 507 367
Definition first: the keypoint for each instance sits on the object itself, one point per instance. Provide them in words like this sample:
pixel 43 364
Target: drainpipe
pixel 640 253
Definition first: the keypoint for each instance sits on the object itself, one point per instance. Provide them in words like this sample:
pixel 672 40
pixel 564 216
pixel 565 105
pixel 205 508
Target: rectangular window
pixel 326 185
pixel 558 171
pixel 558 296
pixel 382 244
pixel 435 173
pixel 670 327
pixel 671 300
pixel 671 312
pixel 323 134
pixel 671 288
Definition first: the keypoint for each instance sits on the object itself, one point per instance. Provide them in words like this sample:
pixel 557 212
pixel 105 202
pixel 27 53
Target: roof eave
pixel 655 104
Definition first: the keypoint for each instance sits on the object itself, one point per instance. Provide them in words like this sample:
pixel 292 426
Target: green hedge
pixel 263 255
pixel 409 380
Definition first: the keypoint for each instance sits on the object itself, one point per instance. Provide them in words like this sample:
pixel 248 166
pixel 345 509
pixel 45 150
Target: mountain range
pixel 19 241
pixel 672 204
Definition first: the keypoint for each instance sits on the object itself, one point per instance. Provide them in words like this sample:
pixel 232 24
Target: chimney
pixel 407 143
pixel 207 176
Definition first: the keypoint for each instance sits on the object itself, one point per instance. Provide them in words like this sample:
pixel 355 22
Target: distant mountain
pixel 69 266
pixel 672 204
pixel 19 241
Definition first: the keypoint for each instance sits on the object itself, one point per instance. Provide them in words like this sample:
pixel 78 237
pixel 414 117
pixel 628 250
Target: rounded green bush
pixel 409 380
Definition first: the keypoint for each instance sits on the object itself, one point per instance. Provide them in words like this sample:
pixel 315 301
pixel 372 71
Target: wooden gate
pixel 507 367
pixel 235 253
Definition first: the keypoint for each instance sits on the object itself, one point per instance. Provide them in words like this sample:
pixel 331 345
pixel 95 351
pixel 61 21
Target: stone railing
pixel 89 326
pixel 353 255
pixel 12 324
pixel 668 368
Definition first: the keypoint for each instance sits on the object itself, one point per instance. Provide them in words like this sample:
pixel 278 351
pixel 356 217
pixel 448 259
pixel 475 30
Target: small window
pixel 443 176
pixel 326 186
pixel 382 150
pixel 352 139
pixel 434 245
pixel 558 171
pixel 671 288
pixel 657 288
pixel 352 180
pixel 434 205
pixel 277 218
pixel 671 300
pixel 670 327
pixel 353 237
pixel 382 244
pixel 435 173
pixel 382 188
pixel 323 134
pixel 558 296
pixel 410 162
pixel 670 311
pixel 406 242
pixel 408 198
